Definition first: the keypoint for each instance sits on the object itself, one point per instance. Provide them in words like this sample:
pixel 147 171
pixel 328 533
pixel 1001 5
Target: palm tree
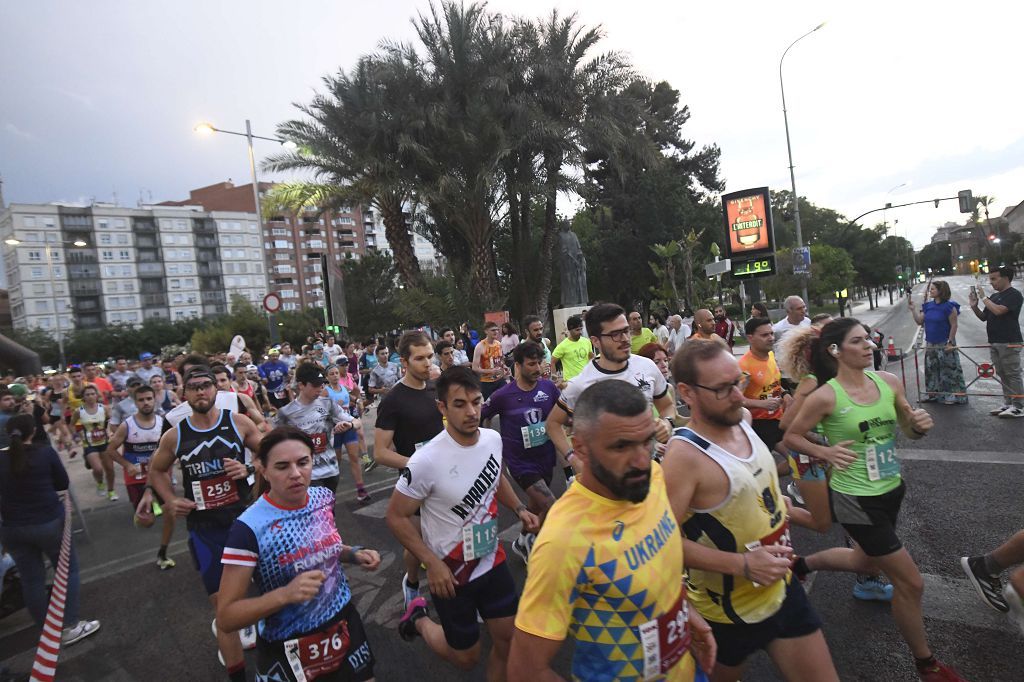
pixel 568 88
pixel 357 140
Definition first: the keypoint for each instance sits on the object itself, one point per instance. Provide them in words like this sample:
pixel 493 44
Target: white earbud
pixel 834 350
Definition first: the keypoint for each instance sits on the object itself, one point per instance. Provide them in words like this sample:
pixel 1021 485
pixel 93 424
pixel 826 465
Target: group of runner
pixel 668 556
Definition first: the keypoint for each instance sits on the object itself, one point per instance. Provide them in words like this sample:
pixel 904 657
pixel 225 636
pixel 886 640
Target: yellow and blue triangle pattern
pixel 599 569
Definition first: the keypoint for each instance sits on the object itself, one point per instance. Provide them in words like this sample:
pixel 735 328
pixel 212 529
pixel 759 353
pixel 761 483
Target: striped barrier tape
pixel 44 668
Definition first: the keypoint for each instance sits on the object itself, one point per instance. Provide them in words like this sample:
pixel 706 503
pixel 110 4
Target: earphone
pixel 834 350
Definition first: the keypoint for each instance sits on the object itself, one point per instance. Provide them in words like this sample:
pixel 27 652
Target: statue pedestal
pixel 561 315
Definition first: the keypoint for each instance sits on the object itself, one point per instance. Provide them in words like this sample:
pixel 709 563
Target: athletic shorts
pixel 492 595
pixel 356 663
pixel 276 402
pixel 331 483
pixel 489 387
pixel 768 431
pixel 525 480
pixel 135 493
pixel 344 438
pixel 90 449
pixel 795 618
pixel 812 470
pixel 870 519
pixel 206 544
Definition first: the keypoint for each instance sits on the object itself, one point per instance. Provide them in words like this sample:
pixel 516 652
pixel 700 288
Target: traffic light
pixel 966 200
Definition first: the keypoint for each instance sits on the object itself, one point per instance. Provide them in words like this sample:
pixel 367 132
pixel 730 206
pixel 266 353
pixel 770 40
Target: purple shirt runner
pixel 525 444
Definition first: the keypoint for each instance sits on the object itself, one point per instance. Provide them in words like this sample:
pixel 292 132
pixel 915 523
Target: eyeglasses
pixel 723 392
pixel 199 387
pixel 618 334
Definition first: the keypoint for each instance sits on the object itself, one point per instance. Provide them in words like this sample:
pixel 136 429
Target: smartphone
pixel 974 290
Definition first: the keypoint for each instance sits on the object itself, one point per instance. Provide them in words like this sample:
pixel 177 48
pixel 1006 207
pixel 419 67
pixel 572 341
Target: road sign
pixel 802 260
pixel 272 303
pixel 719 267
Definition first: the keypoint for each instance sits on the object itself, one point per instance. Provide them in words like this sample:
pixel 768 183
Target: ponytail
pixel 824 365
pixel 19 429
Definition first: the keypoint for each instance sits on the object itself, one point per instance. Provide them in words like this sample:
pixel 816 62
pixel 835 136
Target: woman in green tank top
pixel 859 412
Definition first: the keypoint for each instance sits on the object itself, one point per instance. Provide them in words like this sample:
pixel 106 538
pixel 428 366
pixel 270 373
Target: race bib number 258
pixel 215 492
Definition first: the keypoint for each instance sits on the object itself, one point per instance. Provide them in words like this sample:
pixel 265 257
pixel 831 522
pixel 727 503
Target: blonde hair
pixel 794 352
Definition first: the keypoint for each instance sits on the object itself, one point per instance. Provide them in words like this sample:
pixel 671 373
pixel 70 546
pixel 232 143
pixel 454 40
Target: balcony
pixel 77 256
pixel 204 226
pixel 206 268
pixel 85 288
pixel 206 256
pixel 151 269
pixel 204 241
pixel 149 255
pixel 146 241
pixel 83 271
pixel 144 225
pixel 214 309
pixel 213 297
pixel 76 222
pixel 210 283
pixel 152 286
pixel 86 304
pixel 91 321
pixel 155 313
pixel 149 300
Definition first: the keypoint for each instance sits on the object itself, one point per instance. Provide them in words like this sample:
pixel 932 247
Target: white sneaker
pixel 248 637
pixel 794 492
pixel 1012 412
pixel 83 629
pixel 999 410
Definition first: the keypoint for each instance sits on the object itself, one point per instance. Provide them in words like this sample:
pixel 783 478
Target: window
pixel 187 269
pixel 131 317
pixel 180 225
pixel 167 239
pixel 122 239
pixel 177 298
pixel 175 283
pixel 123 255
pixel 106 255
pixel 282 256
pixel 127 271
pixel 48 221
pixel 35 256
pixel 115 317
pixel 281 244
pixel 190 283
pixel 279 232
pixel 58 271
pixel 105 239
pixel 119 222
pixel 36 273
pixel 172 268
pixel 253 229
pixel 103 224
pixel 28 221
pixel 39 289
pixel 42 306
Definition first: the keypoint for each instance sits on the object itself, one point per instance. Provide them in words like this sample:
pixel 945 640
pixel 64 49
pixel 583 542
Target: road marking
pixel 377 510
pixel 378 485
pixel 975 457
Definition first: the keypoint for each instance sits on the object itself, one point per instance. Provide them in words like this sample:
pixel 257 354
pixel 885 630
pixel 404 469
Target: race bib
pixel 479 540
pixel 320 441
pixel 215 492
pixel 881 460
pixel 140 477
pixel 780 536
pixel 319 653
pixel 666 639
pixel 534 435
pixel 97 436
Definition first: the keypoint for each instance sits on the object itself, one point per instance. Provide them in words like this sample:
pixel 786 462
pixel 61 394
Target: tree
pixel 665 270
pixel 358 141
pixel 370 286
pixel 937 256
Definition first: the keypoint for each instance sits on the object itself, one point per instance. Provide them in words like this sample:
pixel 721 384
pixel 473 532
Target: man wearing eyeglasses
pixel 610 333
pixel 724 492
pixel 211 445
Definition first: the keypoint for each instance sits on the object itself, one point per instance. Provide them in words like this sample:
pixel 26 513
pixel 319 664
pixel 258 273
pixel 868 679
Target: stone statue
pixel 574 268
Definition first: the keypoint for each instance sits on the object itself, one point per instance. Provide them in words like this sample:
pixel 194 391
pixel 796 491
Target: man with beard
pixel 140 435
pixel 406 421
pixel 610 334
pixel 607 566
pixel 211 445
pixel 534 327
pixel 119 379
pixel 724 492
pixel 724 327
pixel 456 481
pixel 573 352
pixel 523 406
pixel 704 326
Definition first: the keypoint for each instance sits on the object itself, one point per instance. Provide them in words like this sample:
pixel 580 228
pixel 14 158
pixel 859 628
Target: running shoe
pixel 112 496
pixel 369 464
pixel 794 492
pixel 988 587
pixel 1016 604
pixel 872 588
pixel 165 563
pixel 363 498
pixel 78 632
pixel 520 549
pixel 416 609
pixel 101 490
pixel 939 672
pixel 409 593
pixel 1000 410
pixel 1012 412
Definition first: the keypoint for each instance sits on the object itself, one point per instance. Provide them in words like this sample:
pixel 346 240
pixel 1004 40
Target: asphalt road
pixel 964 484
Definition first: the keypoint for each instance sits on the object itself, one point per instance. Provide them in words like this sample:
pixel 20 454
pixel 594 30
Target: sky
pixel 889 101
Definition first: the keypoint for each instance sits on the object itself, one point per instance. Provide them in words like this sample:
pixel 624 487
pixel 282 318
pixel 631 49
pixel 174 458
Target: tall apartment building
pixel 170 262
pixel 295 242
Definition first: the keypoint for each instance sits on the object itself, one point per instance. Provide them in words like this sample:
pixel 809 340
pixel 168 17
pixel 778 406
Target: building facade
pixel 109 264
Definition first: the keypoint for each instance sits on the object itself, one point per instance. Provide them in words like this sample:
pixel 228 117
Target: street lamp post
pixel 205 127
pixel 789 151
pixel 53 290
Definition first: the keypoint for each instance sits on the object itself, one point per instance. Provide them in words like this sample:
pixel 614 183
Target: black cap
pixel 133 381
pixel 309 373
pixel 198 372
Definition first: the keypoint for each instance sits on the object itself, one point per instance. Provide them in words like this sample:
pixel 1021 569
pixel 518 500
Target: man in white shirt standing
pixel 677 333
pixel 796 317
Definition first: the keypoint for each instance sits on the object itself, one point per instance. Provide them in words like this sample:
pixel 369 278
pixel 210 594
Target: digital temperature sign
pixel 759 267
